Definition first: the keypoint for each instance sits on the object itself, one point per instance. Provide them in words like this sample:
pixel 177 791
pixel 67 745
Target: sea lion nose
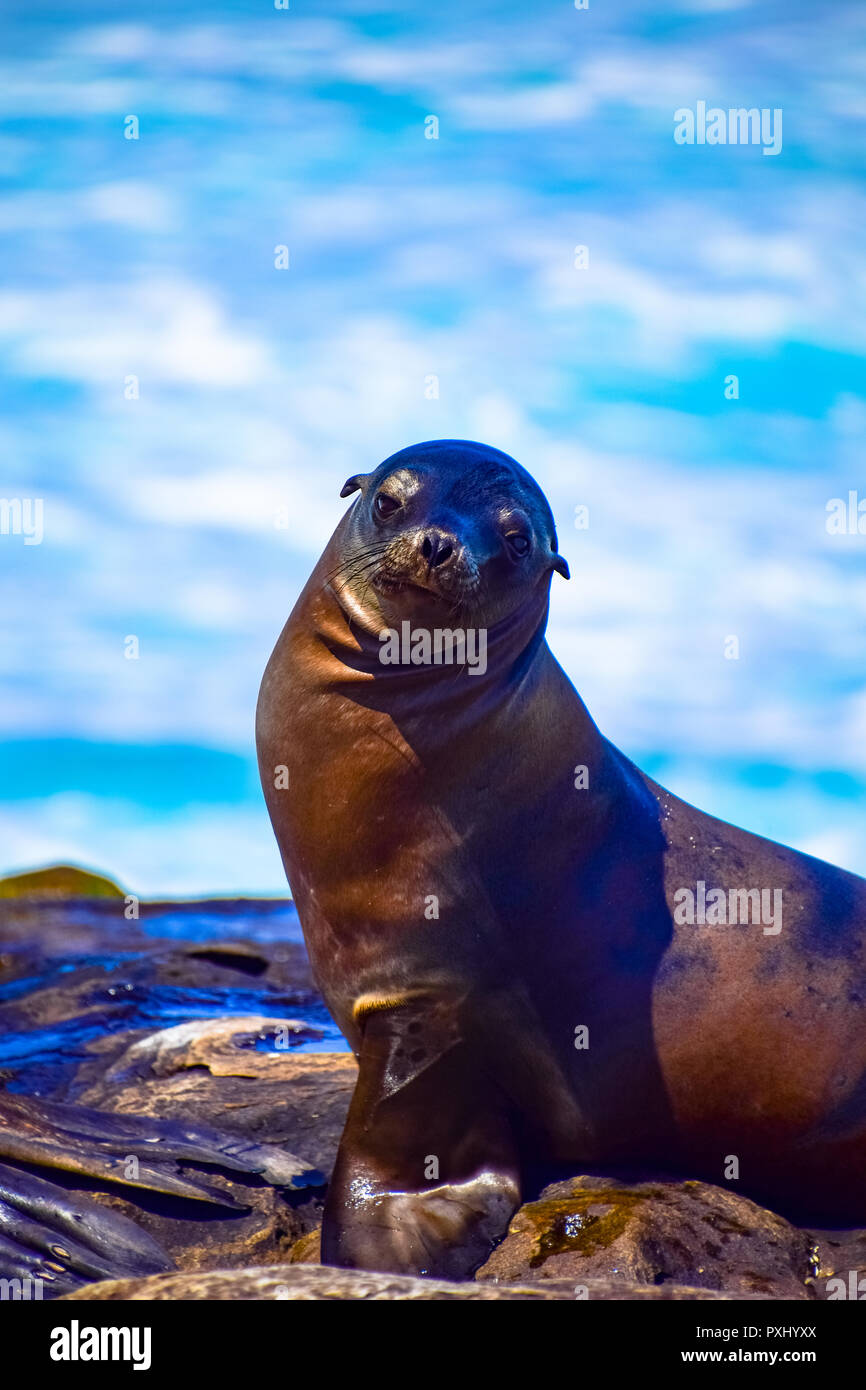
pixel 437 547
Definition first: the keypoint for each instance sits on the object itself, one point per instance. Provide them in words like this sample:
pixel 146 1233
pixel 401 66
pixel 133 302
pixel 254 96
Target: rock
pixel 324 1282
pixel 196 1237
pixel 208 1077
pixel 82 990
pixel 59 881
pixel 838 1255
pixel 653 1233
pixel 307 1250
pixel 64 1021
pixel 206 1198
pixel 224 1046
pixel 164 944
pixel 232 955
pixel 205 1073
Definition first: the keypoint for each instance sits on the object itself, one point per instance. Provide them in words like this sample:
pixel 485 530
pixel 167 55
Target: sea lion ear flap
pixel 352 484
pixel 561 566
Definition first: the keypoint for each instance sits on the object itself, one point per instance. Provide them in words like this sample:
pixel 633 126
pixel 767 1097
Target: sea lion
pixel 522 935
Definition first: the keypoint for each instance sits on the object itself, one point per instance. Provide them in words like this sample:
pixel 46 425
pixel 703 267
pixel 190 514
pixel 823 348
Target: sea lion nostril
pixel 436 549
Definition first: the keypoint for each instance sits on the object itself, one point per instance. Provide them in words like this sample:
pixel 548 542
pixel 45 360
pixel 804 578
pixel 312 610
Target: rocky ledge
pixel 325 1282
pixel 249 1076
pixel 587 1236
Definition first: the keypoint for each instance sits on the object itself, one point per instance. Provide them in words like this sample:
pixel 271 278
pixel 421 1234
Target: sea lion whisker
pixel 346 565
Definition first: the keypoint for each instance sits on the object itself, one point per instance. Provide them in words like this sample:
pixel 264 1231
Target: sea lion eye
pixel 385 505
pixel 518 544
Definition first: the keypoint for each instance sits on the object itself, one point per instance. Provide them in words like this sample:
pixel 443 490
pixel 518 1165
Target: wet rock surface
pixel 209 1073
pixel 206 1015
pixel 77 973
pixel 839 1263
pixel 84 994
pixel 324 1282
pixel 265 1226
pixel 653 1233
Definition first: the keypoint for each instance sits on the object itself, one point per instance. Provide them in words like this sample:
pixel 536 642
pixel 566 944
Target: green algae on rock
pixel 583 1222
pixel 653 1232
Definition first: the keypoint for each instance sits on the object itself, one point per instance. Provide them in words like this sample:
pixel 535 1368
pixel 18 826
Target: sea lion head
pixel 448 526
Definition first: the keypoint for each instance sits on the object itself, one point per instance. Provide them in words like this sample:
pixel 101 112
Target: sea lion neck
pixel 439 710
pixel 438 653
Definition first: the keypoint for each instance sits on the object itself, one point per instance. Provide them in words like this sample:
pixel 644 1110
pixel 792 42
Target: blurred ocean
pixel 431 291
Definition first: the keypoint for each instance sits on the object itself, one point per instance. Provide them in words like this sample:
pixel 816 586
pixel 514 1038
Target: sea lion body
pixel 493 898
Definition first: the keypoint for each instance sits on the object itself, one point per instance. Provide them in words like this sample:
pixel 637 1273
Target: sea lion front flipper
pixel 66 1240
pixel 427 1175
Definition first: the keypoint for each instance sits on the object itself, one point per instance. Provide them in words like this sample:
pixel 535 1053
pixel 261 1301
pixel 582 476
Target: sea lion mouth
pixel 391 585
